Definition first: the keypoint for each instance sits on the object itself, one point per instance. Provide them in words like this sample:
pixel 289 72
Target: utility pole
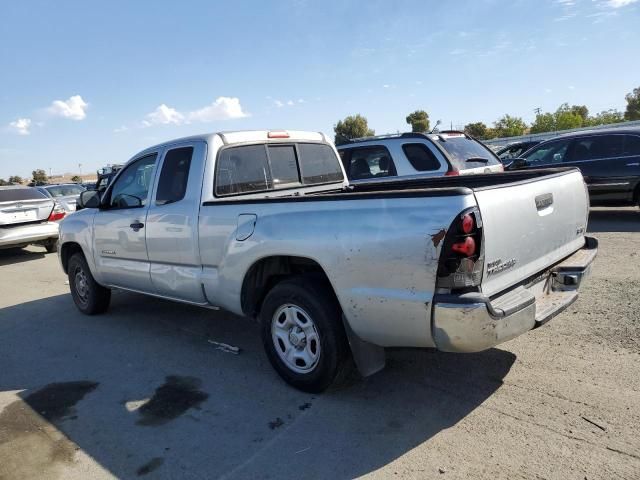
pixel 80 168
pixel 537 110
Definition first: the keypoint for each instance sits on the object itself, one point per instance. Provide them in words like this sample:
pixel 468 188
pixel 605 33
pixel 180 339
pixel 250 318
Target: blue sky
pixel 94 82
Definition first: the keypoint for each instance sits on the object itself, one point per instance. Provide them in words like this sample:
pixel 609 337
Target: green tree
pixel 76 179
pixel 39 177
pixel 419 121
pixel 633 105
pixel 3 182
pixel 477 130
pixel 509 126
pixel 544 122
pixel 581 110
pixel 606 117
pixel 354 126
pixel 15 179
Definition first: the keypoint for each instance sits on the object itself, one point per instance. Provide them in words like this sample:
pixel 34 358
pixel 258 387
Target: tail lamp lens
pixel 468 224
pixel 466 248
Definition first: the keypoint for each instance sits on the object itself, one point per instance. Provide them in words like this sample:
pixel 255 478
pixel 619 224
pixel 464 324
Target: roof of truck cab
pixel 243 136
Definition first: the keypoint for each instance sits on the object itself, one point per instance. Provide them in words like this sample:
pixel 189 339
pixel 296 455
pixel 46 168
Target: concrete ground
pixel 141 392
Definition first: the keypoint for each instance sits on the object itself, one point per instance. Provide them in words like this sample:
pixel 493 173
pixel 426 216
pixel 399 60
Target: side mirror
pixel 519 163
pixel 89 199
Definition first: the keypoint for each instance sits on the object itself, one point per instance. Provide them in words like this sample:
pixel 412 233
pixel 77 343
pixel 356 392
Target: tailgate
pixel 529 226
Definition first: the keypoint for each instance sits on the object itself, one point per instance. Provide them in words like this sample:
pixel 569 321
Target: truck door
pixel 120 249
pixel 172 224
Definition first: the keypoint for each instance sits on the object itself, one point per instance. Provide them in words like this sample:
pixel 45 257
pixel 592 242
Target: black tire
pixel 51 246
pixel 315 298
pixel 90 297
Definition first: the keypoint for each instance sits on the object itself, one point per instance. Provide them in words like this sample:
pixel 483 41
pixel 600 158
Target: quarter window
pixel 172 185
pixel 131 188
pixel 420 157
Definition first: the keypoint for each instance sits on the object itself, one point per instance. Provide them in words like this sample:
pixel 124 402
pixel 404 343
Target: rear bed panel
pixel 530 226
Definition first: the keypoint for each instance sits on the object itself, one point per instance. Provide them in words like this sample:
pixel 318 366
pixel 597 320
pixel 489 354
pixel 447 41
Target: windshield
pixel 466 153
pixel 64 190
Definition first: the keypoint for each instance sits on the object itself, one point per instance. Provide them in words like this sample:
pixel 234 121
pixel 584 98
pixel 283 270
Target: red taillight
pixel 56 214
pixel 452 172
pixel 467 223
pixel 466 248
pixel 278 134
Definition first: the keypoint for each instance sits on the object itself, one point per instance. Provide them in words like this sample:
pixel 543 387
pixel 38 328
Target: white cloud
pixel 74 108
pixel 619 3
pixel 163 115
pixel 289 102
pixel 223 108
pixel 278 103
pixel 121 128
pixel 385 86
pixel 21 126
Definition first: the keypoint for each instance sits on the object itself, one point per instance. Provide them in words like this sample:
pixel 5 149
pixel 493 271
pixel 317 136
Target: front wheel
pixel 302 333
pixel 90 297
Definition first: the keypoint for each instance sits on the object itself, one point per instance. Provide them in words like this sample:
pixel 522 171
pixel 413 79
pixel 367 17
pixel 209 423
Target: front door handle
pixel 137 226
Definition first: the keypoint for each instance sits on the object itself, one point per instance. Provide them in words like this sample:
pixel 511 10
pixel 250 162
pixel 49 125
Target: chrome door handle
pixel 635 164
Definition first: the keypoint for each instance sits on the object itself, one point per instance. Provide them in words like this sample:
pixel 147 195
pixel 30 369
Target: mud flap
pixel 369 358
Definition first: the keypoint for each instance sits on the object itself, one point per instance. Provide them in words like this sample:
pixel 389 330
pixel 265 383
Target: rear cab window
pixel 174 175
pixel 464 152
pixel 275 166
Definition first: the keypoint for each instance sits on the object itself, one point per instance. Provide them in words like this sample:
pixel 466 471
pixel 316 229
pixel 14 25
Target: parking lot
pixel 144 390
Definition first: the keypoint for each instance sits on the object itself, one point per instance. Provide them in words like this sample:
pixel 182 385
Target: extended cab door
pixel 172 224
pixel 120 250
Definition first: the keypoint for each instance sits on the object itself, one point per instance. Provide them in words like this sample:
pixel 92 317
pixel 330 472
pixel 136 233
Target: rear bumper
pixel 27 234
pixel 472 322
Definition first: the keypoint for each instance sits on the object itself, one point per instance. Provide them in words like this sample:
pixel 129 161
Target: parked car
pixel 265 224
pixel 515 150
pixel 28 217
pixel 416 155
pixel 609 160
pixel 89 185
pixel 65 194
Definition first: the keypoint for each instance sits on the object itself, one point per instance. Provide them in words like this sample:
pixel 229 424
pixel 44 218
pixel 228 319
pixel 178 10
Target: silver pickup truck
pixel 264 224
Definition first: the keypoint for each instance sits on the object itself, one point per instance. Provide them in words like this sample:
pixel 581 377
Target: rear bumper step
pixel 472 322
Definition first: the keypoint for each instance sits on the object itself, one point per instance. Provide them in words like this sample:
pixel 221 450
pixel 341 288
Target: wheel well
pixel 267 272
pixel 66 251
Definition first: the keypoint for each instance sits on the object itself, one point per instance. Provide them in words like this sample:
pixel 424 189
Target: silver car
pixel 65 194
pixel 27 217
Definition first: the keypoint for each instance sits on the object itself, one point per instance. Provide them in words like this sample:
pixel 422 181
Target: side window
pixel 174 175
pixel 284 167
pixel 420 157
pixel 549 153
pixel 591 148
pixel 370 162
pixel 632 145
pixel 242 170
pixel 131 189
pixel 319 164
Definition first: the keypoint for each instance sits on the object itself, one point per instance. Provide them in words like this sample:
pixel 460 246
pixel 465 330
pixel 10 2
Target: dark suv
pixel 609 161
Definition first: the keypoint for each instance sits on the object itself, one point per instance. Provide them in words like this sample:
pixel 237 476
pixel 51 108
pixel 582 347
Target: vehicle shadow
pixel 614 220
pixel 11 256
pixel 142 391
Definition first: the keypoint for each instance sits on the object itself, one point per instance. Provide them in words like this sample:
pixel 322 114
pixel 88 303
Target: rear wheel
pixel 90 297
pixel 303 335
pixel 51 245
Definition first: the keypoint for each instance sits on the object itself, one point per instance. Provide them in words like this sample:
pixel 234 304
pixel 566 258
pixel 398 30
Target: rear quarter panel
pixel 380 255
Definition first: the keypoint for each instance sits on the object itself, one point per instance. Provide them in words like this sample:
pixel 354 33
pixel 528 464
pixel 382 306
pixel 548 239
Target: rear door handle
pixel 137 226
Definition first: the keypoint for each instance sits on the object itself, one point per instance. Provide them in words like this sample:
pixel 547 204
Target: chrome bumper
pixel 472 322
pixel 27 234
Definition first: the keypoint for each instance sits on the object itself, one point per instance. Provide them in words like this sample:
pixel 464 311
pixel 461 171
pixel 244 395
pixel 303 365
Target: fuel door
pixel 246 226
